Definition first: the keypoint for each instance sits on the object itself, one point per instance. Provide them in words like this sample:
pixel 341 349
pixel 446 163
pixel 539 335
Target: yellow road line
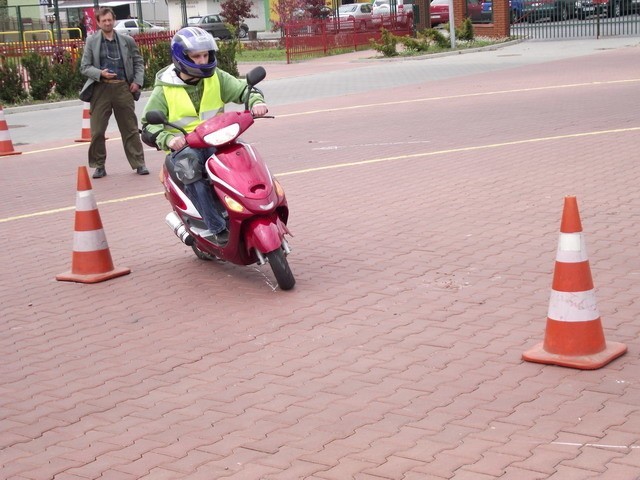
pixel 362 162
pixel 401 102
pixel 66 209
pixel 461 149
pixel 464 95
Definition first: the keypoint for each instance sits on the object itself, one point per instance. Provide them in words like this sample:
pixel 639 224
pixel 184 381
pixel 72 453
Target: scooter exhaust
pixel 175 224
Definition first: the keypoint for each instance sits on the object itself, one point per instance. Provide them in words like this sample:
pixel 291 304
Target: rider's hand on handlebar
pixel 259 110
pixel 176 143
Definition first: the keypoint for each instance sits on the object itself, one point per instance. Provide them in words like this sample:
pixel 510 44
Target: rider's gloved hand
pixel 176 143
pixel 259 110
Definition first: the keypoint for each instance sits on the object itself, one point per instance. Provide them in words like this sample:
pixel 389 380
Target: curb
pixel 425 56
pixel 52 105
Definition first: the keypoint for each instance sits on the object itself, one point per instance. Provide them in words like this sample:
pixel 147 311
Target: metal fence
pixel 588 18
pixel 315 38
pixel 595 27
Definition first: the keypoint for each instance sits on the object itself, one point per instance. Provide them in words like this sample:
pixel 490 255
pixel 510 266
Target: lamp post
pixel 51 18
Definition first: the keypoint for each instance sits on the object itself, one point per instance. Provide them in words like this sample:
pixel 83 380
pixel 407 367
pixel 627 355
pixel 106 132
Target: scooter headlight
pixel 222 136
pixel 233 205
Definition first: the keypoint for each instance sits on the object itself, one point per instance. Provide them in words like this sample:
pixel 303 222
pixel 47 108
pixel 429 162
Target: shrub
pixel 466 30
pixel 158 57
pixel 39 69
pixel 66 75
pixel 437 37
pixel 387 44
pixel 227 56
pixel 418 44
pixel 11 87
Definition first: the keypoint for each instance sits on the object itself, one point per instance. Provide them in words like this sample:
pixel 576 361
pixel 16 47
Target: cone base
pixel 93 277
pixel 10 153
pixel 594 361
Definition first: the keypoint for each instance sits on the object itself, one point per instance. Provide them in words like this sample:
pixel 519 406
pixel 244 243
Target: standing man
pixel 115 71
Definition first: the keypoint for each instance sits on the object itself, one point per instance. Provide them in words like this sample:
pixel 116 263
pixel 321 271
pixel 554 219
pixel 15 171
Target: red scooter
pixel 251 200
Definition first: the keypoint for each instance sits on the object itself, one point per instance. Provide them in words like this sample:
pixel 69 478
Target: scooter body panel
pixel 237 171
pixel 264 234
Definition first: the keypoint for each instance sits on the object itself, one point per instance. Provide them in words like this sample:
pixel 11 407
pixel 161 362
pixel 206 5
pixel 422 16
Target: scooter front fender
pixel 265 233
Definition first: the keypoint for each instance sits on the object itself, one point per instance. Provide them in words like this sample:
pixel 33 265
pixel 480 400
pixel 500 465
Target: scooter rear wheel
pixel 280 267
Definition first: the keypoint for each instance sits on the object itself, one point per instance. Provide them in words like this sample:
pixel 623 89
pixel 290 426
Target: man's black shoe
pixel 142 171
pixel 99 173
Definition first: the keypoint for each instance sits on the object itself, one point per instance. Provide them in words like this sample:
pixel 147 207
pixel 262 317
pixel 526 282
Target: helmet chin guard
pixel 193 39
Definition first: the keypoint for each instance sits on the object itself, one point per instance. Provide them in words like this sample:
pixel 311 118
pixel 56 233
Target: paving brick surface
pixel 425 237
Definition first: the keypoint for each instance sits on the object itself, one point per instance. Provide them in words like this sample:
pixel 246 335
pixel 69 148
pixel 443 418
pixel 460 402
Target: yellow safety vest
pixel 182 112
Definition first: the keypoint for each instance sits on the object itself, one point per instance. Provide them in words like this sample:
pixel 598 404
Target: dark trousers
pixel 116 98
pixel 200 193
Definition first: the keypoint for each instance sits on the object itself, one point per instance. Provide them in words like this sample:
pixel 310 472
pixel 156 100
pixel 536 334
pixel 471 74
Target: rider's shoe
pixel 221 238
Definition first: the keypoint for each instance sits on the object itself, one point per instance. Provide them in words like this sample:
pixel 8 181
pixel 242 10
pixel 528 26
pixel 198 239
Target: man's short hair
pixel 104 11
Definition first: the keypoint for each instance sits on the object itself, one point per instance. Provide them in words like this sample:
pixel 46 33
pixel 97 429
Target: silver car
pixel 356 15
pixel 132 26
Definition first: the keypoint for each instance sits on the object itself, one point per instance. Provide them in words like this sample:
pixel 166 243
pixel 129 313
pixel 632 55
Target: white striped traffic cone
pixel 91 261
pixel 574 336
pixel 6 146
pixel 85 133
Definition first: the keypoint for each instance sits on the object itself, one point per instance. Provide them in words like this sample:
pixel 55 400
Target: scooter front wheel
pixel 280 267
pixel 202 255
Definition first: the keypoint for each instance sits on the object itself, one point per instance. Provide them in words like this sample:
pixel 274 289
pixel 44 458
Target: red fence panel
pixel 315 38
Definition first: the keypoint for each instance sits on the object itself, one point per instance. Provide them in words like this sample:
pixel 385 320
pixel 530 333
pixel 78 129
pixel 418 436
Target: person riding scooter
pixel 188 92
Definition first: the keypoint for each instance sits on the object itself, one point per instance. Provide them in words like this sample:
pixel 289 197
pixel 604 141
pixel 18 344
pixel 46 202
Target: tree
pixel 316 9
pixel 286 11
pixel 236 11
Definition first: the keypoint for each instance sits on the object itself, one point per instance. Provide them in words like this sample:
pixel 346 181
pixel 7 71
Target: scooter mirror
pixel 255 76
pixel 156 117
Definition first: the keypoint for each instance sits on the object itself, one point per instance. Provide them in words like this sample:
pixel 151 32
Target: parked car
pixel 215 24
pixel 535 10
pixel 610 8
pixel 439 11
pixel 515 10
pixel 132 26
pixel 355 15
pixel 382 11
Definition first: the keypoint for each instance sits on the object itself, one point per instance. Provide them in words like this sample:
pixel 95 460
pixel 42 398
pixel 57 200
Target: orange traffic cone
pixel 91 261
pixel 85 133
pixel 573 336
pixel 6 146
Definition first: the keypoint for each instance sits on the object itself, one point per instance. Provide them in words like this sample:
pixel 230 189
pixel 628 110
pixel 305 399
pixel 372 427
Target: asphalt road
pixel 425 239
pixel 331 77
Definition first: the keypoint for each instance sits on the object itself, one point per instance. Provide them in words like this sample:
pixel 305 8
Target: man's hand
pixel 107 74
pixel 134 87
pixel 259 110
pixel 176 143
